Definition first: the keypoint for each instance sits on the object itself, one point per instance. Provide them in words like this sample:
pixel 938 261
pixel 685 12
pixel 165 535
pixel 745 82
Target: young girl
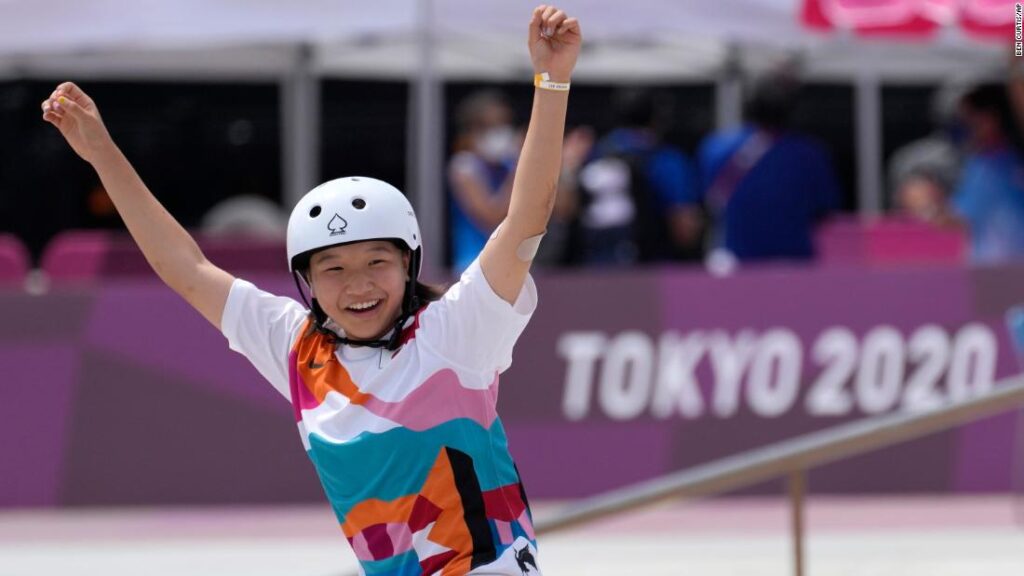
pixel 394 395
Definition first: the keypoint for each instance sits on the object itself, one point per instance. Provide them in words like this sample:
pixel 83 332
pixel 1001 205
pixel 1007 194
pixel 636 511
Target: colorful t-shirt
pixel 408 446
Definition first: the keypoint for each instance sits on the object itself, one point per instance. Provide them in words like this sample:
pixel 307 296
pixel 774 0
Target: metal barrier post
pixel 796 502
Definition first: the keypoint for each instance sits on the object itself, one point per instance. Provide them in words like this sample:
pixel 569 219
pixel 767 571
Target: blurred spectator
pixel 765 186
pixel 555 249
pixel 638 196
pixel 990 196
pixel 246 215
pixel 923 173
pixel 480 172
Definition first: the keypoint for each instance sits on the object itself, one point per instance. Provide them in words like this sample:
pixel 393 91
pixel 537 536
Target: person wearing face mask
pixel 480 173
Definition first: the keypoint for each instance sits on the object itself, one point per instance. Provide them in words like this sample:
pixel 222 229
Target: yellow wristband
pixel 543 81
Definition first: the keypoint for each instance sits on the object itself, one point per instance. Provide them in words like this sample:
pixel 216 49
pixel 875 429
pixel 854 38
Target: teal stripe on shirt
pixel 395 463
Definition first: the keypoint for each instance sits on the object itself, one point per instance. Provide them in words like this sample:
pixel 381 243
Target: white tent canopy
pixel 637 40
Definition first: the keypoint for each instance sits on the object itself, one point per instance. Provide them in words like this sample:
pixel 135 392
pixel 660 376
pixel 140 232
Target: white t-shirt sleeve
pixel 473 327
pixel 262 327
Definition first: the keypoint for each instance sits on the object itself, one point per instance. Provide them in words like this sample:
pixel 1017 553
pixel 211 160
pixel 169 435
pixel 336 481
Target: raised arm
pixel 554 41
pixel 168 248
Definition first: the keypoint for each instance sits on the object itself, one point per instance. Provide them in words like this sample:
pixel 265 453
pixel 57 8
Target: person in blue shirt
pixel 638 196
pixel 480 173
pixel 989 198
pixel 765 186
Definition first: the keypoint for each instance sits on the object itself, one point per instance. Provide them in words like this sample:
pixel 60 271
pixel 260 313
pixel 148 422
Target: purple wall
pixel 121 394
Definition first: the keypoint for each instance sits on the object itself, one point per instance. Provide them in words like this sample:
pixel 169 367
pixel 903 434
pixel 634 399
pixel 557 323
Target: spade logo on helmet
pixel 337 225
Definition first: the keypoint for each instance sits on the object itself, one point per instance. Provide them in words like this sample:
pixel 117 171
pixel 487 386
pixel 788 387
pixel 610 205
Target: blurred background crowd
pixel 647 177
pixel 633 192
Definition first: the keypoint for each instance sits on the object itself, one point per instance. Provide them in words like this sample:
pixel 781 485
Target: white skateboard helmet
pixel 348 210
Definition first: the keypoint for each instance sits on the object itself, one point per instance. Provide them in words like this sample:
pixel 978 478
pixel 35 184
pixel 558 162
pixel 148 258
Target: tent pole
pixel 868 119
pixel 425 142
pixel 729 92
pixel 300 128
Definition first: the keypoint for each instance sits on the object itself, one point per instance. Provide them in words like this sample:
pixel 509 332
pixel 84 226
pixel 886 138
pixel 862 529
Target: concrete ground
pixel 847 536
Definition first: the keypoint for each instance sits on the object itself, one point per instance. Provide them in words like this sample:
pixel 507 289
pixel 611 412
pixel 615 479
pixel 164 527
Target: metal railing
pixel 789 458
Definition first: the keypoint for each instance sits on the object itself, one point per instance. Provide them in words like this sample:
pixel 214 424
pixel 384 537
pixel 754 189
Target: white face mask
pixel 497 143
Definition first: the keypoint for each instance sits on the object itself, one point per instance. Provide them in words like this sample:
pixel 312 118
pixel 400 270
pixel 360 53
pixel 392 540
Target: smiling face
pixel 360 286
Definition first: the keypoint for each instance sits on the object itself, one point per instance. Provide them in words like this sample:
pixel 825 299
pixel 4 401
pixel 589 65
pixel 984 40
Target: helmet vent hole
pixel 314 211
pixel 358 203
pixel 413 236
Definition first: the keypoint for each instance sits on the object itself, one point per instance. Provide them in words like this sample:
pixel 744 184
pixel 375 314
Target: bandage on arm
pixel 527 249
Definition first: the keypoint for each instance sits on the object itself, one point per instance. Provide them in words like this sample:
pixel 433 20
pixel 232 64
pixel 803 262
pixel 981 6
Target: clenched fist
pixel 554 42
pixel 76 116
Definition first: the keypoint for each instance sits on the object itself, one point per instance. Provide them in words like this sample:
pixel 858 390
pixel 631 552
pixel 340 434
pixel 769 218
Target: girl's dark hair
pixel 427 293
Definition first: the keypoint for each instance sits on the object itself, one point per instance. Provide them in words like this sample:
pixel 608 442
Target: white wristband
pixel 543 81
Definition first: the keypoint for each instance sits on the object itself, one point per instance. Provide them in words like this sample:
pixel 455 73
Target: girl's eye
pixel 333 269
pixel 376 262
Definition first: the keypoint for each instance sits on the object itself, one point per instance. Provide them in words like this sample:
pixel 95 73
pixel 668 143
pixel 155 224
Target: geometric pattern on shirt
pixel 451 524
